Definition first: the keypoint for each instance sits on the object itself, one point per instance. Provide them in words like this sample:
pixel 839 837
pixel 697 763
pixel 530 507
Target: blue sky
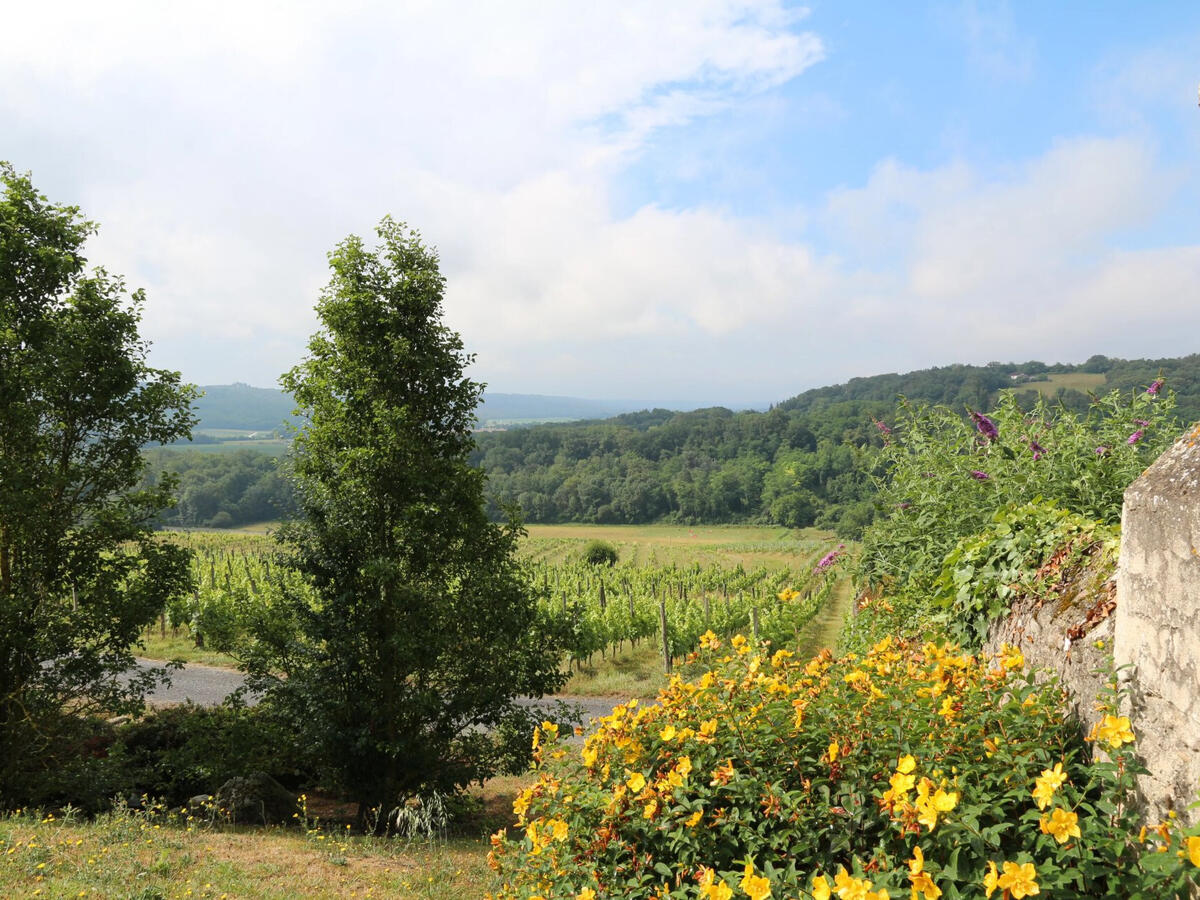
pixel 679 203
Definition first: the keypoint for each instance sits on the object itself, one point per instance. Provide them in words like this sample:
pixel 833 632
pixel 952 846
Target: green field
pixel 731 545
pixel 1076 381
pixel 271 446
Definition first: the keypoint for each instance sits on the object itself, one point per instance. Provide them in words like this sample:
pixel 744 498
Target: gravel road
pixel 209 685
pixel 203 685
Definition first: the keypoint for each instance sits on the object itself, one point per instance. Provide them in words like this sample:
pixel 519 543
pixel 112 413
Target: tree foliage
pixel 80 573
pixel 423 628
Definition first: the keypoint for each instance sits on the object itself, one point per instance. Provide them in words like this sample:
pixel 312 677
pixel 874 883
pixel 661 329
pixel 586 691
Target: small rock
pixel 256 799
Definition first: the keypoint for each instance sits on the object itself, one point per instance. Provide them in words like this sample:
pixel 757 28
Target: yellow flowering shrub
pixel 914 770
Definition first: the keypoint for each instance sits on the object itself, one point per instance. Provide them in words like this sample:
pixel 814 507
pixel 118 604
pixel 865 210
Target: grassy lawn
pixel 130 856
pixel 632 672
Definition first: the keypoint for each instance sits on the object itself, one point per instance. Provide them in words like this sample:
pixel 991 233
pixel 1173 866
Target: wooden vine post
pixel 666 638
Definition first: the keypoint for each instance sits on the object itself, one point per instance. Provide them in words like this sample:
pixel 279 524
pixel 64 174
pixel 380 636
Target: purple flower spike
pixel 1038 450
pixel 1100 451
pixel 980 476
pixel 1135 437
pixel 986 426
pixel 828 560
pixel 881 426
pixel 1155 387
pixel 1142 423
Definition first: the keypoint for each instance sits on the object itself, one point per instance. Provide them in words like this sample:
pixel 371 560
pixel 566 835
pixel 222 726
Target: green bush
pixel 178 752
pixel 600 553
pixel 985 572
pixel 913 770
pixel 946 476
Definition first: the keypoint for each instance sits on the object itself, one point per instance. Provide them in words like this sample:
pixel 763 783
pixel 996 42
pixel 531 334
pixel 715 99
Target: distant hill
pixel 241 407
pixel 531 407
pixel 806 461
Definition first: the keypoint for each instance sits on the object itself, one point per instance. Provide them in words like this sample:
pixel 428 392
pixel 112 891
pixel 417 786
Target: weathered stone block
pixel 1158 625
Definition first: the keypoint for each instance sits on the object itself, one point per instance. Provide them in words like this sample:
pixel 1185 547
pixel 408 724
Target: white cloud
pixel 224 149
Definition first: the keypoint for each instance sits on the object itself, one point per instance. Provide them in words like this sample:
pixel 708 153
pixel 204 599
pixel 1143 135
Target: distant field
pixel 234 433
pixel 749 545
pixel 269 446
pixel 1078 381
pixel 501 424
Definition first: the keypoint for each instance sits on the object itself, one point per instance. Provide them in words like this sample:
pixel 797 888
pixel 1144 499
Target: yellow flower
pixel 901 784
pixel 1047 783
pixel 850 888
pixel 1019 880
pixel 711 887
pixel 930 805
pixel 1062 825
pixel 668 733
pixel 991 879
pixel 586 894
pixel 820 888
pixel 636 782
pixel 833 751
pixel 916 865
pixel 755 886
pixel 651 809
pixel 1113 730
pixel 906 764
pixel 922 884
pixel 1011 657
pixel 694 819
pixel 559 829
pixel 1193 850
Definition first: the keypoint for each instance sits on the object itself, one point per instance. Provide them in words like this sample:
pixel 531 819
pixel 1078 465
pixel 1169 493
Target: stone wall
pixel 1158 624
pixel 1153 633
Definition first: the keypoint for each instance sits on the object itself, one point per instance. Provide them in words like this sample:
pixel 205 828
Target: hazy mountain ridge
pixel 243 407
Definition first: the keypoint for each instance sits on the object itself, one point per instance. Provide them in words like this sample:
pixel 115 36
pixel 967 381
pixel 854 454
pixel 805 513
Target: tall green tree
pixel 80 573
pixel 424 629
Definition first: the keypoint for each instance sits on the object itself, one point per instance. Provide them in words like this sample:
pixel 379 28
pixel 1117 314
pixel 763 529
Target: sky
pixel 669 204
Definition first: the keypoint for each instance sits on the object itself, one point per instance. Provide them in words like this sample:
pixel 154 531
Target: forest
pixel 808 460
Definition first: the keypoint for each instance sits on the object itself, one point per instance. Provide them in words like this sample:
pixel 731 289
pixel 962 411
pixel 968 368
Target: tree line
pixel 807 461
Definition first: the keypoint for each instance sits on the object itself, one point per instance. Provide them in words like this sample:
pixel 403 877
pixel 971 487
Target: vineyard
pixel 659 594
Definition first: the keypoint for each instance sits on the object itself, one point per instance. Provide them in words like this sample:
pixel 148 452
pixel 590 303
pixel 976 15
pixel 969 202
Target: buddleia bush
pixel 947 475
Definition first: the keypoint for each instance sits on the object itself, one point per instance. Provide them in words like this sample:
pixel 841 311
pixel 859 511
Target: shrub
pixel 947 476
pixel 985 572
pixel 600 553
pixel 177 752
pixel 914 769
